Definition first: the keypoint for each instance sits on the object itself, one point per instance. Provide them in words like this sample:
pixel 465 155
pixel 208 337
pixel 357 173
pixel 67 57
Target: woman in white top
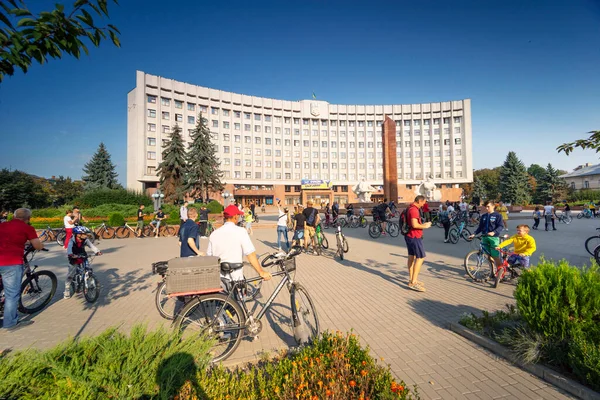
pixel 69 225
pixel 549 215
pixel 282 224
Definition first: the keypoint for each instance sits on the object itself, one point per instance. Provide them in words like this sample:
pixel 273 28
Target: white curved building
pixel 267 146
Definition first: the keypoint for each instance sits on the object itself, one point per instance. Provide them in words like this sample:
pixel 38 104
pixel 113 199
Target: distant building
pixel 585 176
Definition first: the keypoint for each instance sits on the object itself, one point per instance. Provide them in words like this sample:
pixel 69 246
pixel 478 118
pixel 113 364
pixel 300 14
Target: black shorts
pixel 415 247
pixel 382 217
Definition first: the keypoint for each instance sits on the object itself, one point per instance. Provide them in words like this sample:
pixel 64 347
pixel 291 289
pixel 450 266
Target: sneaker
pixel 383 233
pixel 19 325
pixel 67 295
pixel 155 237
pixel 417 287
pixel 554 229
pixel 446 241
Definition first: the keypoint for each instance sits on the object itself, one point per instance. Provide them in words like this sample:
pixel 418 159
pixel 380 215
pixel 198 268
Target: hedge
pixel 107 196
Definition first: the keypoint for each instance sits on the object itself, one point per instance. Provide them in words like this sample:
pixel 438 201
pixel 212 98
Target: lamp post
pixel 226 195
pixel 157 197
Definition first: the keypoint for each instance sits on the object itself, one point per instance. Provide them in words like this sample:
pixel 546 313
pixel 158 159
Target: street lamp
pixel 157 196
pixel 226 195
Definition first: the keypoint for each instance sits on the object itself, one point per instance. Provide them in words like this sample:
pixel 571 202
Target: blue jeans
pixel 282 231
pixel 12 276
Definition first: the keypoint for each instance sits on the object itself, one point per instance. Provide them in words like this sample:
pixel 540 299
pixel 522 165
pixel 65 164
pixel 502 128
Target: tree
pixel 490 179
pixel 592 143
pixel 536 171
pixel 18 189
pixel 514 180
pixel 172 168
pixel 100 171
pixel 66 190
pixel 25 37
pixel 479 190
pixel 550 186
pixel 202 165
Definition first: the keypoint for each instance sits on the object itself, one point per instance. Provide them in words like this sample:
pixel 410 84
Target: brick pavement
pixel 366 293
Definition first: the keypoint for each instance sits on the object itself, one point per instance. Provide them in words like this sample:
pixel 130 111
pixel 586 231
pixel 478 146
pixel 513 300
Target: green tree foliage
pixel 202 165
pixel 550 186
pixel 479 190
pixel 592 143
pixel 514 181
pixel 172 168
pixel 490 179
pixel 18 189
pixel 98 197
pixel 26 37
pixel 536 171
pixel 116 219
pixel 100 171
pixel 65 190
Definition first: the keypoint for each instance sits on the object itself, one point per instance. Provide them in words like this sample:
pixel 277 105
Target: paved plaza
pixel 367 292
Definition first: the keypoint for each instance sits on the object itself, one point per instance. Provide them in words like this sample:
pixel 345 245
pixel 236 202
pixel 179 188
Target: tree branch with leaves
pixel 592 143
pixel 26 37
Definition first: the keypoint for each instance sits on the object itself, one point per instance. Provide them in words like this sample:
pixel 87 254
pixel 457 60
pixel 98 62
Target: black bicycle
pixel 342 243
pixel 37 289
pixel 85 280
pixel 225 318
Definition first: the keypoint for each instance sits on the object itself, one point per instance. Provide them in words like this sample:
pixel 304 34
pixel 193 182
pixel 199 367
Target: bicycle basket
pixel 290 264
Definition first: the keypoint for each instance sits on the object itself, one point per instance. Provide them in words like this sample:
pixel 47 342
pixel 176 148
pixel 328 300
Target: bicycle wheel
pixel 217 317
pixel 591 243
pixel 165 305
pixel 479 265
pixel 170 231
pixel 363 223
pixel 353 223
pixel 37 291
pixel 148 230
pixel 465 234
pixel 60 238
pixel 324 242
pixel 580 215
pixel 108 233
pixel 44 237
pixel 374 230
pixel 568 219
pixel 305 321
pixel 122 232
pixel 597 254
pixel 345 245
pixel 393 229
pixel 453 235
pixel 499 276
pixel 91 289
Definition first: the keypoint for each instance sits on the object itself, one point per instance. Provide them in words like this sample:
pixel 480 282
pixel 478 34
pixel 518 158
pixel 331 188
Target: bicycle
pixel 48 234
pixel 457 231
pixel 322 242
pixel 435 220
pixel 61 235
pixel 353 221
pixel 164 230
pixel 564 218
pixel 342 243
pixel 85 280
pixel 482 266
pixel 104 231
pixel 37 289
pixel 375 229
pixel 506 268
pixel 592 242
pixel 169 306
pixel 226 319
pixel 338 221
pixel 585 213
pixel 125 231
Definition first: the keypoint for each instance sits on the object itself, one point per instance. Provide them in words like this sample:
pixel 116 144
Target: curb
pixel 542 372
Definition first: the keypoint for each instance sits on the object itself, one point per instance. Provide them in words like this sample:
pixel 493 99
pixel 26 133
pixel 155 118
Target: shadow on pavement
pixel 173 376
pixel 440 313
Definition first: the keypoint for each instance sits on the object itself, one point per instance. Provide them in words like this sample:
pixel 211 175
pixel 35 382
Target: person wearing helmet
pixel 76 253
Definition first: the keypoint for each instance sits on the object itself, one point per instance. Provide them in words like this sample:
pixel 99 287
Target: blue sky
pixel 530 68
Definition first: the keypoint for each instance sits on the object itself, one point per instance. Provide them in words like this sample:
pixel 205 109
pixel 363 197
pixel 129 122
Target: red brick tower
pixel 390 164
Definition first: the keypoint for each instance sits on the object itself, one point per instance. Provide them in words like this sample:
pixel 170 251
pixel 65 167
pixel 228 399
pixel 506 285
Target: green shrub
pixel 116 219
pixel 560 301
pixel 50 212
pixel 584 359
pixel 214 207
pixel 96 198
pixel 127 210
pixel 585 195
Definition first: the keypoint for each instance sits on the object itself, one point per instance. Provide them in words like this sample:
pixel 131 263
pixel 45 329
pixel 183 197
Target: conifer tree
pixel 172 168
pixel 202 165
pixel 514 180
pixel 99 172
pixel 550 185
pixel 479 190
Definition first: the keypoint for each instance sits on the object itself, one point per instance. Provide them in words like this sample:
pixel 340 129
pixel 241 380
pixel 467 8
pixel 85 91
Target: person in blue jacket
pixel 491 227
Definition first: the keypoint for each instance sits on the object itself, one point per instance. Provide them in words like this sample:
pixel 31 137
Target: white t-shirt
pixel 463 206
pixel 67 220
pixel 282 221
pixel 230 243
pixel 548 210
pixel 183 213
pixel 450 209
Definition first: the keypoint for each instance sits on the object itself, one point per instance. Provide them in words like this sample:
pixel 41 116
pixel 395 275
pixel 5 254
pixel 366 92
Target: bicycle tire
pixel 198 317
pixel 453 236
pixel 341 253
pixel 591 243
pixel 597 254
pixel 580 215
pixel 304 315
pixel 478 269
pixel 31 288
pixel 499 276
pixel 354 222
pixel 374 230
pixel 122 232
pixel 91 288
pixel 363 223
pixel 107 233
pixel 466 234
pixel 60 238
pixel 393 229
pixel 345 245
pixel 170 231
pixel 165 305
pixel 324 242
pixel 44 237
pixel 148 230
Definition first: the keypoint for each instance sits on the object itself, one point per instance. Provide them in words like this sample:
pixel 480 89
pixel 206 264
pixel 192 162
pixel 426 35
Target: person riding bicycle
pixel 76 254
pixel 158 217
pixel 231 243
pixel 491 227
pixel 380 212
pixel 349 210
pixel 361 212
pixel 524 246
pixel 327 214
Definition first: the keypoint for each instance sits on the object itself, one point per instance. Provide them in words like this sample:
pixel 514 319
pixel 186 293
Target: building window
pixel 457 129
pixel 226 137
pixel 150 170
pixel 151 127
pixel 586 184
pixel 151 141
pixel 191 119
pixel 247 139
pixel 446 120
pixel 257 117
pixel 179 117
pixel 178 104
pixel 225 149
pixel 191 107
pixel 214 111
pixel 151 155
pixel 225 125
pixel 446 142
pixel 151 113
pixel 226 113
pixel 215 123
pixel 267 129
pixel 236 126
pixel 458 152
pixel 166 115
pixel 203 109
pixel 457 120
pixel 166 129
pixel 165 102
pixel 457 141
pixel 256 128
pixel 238 150
pixel 151 99
pixel 247 128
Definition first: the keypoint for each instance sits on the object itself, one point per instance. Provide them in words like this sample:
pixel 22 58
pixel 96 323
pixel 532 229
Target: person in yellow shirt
pixel 248 219
pixel 504 212
pixel 524 246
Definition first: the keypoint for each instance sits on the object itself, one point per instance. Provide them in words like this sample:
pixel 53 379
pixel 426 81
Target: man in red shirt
pixel 414 243
pixel 13 237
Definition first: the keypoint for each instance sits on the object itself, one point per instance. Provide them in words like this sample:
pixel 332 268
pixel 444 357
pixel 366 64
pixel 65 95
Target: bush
pixel 127 210
pixel 50 212
pixel 214 207
pixel 585 195
pixel 116 219
pixel 99 197
pixel 584 358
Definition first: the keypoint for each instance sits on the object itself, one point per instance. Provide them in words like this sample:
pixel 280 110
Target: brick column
pixel 390 164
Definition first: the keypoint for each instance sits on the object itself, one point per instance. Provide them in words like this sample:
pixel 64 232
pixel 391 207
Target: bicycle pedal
pixel 254 338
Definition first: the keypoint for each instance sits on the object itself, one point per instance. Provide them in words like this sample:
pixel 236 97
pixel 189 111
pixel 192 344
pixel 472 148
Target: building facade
pixel 585 176
pixel 268 146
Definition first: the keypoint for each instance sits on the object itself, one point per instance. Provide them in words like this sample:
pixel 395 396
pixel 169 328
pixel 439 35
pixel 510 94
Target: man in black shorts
pixel 382 214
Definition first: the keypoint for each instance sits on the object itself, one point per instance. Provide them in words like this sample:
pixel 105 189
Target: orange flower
pixel 364 363
pixel 352 383
pixel 328 392
pixel 315 398
pixel 363 372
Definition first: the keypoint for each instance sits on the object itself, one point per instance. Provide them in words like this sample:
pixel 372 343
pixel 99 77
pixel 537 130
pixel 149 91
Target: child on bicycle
pixel 524 246
pixel 76 253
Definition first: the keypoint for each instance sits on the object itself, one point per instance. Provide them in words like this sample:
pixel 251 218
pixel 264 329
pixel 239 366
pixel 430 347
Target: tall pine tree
pixel 99 172
pixel 202 165
pixel 172 168
pixel 550 186
pixel 514 180
pixel 479 191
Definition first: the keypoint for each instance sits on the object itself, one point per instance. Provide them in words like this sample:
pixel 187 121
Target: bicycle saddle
pixel 227 267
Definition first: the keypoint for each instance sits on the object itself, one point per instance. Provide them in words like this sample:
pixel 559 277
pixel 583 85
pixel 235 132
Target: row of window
pixel 167 116
pixel 334 176
pixel 333 145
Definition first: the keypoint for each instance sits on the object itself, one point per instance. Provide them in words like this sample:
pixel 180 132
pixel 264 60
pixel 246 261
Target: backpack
pixel 404 224
pixel 311 218
pixel 444 217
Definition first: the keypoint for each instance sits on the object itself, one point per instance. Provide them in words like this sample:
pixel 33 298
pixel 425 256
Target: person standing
pixel 503 210
pixel 183 214
pixel 335 210
pixel 139 229
pixel 248 216
pixel 550 215
pixel 426 212
pixel 312 220
pixel 282 223
pixel 327 214
pixel 490 226
pixel 299 222
pixel 14 235
pixel 203 221
pixel 189 236
pixel 77 217
pixel 381 212
pixel 69 225
pixel 567 210
pixel 414 243
pixel 445 220
pixel 253 209
pixel 537 215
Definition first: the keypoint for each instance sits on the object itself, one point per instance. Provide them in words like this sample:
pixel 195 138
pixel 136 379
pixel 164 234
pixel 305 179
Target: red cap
pixel 232 210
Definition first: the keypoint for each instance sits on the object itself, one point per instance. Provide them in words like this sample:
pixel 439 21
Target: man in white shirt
pixel 183 213
pixel 463 206
pixel 231 243
pixel 549 215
